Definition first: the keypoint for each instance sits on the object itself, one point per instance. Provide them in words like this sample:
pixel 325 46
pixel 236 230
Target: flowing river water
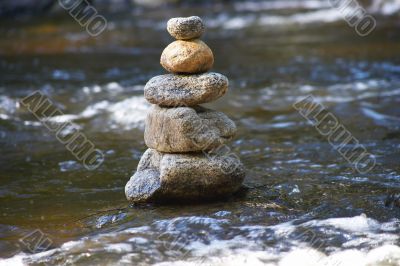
pixel 304 203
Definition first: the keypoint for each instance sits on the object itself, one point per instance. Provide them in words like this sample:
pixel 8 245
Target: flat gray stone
pixel 193 176
pixel 185 28
pixel 187 129
pixel 185 90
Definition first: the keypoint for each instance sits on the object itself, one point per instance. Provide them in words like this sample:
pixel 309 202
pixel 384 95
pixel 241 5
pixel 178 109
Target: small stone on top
pixel 185 28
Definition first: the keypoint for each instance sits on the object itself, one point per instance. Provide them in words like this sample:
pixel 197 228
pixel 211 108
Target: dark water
pixel 300 188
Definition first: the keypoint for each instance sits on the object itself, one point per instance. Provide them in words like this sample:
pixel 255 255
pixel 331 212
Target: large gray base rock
pixel 186 129
pixel 163 176
pixel 185 90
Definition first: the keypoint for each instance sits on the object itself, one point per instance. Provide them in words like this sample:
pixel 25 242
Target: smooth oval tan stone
pixel 193 56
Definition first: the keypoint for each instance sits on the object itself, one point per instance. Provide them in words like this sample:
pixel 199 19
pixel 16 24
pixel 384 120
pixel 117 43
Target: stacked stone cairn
pixel 184 161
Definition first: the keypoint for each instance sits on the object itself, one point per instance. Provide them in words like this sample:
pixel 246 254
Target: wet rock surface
pixel 185 28
pixel 186 129
pixel 187 90
pixel 194 176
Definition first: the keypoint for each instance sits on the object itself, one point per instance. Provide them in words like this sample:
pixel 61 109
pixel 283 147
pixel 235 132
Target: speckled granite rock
pixel 193 56
pixel 191 176
pixel 185 28
pixel 185 90
pixel 186 129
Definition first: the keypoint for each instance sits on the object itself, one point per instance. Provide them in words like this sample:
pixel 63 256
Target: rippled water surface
pixel 303 203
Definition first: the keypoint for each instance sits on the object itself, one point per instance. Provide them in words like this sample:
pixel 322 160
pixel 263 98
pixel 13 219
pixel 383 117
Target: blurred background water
pixel 274 53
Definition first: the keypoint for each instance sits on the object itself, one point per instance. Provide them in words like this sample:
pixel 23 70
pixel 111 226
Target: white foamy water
pixel 337 93
pixel 172 242
pixel 8 107
pixel 311 12
pixel 282 4
pixel 308 17
pixel 381 256
pixel 111 88
pixel 385 7
pixel 323 15
pixel 127 114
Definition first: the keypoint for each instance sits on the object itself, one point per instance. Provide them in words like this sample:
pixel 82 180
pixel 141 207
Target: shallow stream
pixel 304 202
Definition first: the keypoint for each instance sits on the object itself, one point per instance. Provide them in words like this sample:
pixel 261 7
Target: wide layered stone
pixel 186 129
pixel 194 176
pixel 185 90
pixel 192 56
pixel 185 28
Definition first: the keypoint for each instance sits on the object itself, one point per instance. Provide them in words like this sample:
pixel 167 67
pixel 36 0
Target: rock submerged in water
pixel 185 90
pixel 191 176
pixel 186 129
pixel 193 56
pixel 185 28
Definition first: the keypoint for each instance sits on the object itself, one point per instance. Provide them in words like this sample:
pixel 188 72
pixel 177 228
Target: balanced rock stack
pixel 185 140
